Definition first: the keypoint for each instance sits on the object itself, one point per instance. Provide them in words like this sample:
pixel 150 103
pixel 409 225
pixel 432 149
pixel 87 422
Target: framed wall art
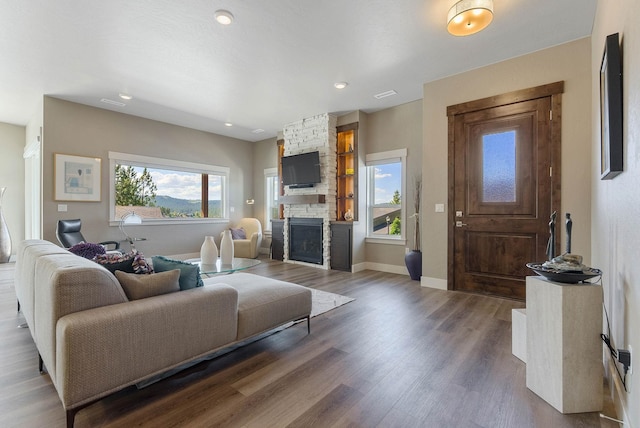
pixel 76 178
pixel 611 109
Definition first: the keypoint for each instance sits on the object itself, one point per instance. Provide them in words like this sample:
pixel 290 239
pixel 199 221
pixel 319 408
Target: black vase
pixel 413 260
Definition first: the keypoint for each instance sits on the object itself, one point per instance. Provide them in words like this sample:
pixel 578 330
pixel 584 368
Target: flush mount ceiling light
pixel 467 17
pixel 223 17
pixel 340 85
pixel 229 124
pixel 125 96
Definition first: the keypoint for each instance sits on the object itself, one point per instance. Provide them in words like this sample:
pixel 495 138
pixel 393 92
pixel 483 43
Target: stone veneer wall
pixel 308 135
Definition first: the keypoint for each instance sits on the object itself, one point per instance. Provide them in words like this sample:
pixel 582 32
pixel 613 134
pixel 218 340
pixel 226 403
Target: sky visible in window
pixel 182 185
pixel 387 180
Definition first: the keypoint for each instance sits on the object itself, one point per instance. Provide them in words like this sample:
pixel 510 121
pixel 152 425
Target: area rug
pixel 321 302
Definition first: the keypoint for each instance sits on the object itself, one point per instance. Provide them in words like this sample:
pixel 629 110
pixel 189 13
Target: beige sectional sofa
pixel 93 341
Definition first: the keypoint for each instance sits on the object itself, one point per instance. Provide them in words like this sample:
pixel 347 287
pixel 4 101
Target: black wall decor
pixel 611 163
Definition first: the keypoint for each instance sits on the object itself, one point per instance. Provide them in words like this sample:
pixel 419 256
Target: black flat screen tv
pixel 301 170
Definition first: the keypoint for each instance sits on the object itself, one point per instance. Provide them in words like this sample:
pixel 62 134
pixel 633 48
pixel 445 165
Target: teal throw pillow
pixel 189 273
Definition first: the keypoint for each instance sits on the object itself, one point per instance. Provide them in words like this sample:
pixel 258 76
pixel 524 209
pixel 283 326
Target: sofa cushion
pixel 143 286
pixel 87 250
pixel 189 273
pixel 265 303
pixel 238 233
pixel 115 261
pixel 140 264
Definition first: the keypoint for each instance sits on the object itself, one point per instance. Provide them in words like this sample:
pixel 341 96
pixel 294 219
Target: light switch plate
pixel 439 208
pixel 62 208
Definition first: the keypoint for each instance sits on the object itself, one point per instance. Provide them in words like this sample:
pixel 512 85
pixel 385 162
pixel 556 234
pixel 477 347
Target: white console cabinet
pixel 563 347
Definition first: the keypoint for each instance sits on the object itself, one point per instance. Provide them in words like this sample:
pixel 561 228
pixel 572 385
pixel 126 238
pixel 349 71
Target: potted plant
pixel 413 259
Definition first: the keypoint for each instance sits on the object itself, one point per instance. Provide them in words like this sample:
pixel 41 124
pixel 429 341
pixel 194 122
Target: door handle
pixel 460 224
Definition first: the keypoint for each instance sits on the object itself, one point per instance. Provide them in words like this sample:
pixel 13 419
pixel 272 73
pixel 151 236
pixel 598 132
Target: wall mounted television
pixel 302 170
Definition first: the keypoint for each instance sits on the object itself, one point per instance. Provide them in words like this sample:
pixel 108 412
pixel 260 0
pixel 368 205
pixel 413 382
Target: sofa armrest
pixel 102 350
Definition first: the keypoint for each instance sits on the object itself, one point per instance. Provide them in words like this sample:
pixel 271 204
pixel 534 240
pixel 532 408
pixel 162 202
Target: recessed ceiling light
pixel 258 131
pixel 112 102
pixel 340 85
pixel 385 94
pixel 125 96
pixel 224 17
pixel 228 124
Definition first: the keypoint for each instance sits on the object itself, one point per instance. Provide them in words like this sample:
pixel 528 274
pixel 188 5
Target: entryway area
pixel 504 171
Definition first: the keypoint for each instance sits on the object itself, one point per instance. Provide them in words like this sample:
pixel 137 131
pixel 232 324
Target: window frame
pixel 170 164
pixel 371 160
pixel 269 173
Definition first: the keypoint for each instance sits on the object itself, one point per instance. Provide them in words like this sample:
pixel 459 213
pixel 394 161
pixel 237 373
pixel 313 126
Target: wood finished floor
pixel 398 356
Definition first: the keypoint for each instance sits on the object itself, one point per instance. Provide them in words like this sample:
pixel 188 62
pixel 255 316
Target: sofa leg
pixel 40 364
pixel 18 304
pixel 309 324
pixel 71 416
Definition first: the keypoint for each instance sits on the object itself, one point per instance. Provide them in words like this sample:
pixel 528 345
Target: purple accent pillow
pixel 87 250
pixel 238 233
pixel 131 262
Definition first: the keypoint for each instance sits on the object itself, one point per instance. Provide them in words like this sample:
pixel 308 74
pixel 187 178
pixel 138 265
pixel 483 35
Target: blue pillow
pixel 189 273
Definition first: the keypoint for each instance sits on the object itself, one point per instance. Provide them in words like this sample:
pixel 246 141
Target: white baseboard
pixel 437 283
pixel 380 267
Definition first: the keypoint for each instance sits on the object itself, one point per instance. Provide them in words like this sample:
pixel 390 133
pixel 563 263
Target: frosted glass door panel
pixel 499 167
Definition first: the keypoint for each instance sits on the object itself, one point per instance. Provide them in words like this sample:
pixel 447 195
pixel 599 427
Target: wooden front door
pixel 505 170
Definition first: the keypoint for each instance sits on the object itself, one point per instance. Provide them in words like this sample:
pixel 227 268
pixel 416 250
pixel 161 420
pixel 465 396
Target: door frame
pixel 552 90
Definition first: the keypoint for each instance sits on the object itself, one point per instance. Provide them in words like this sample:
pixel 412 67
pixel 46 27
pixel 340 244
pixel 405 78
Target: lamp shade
pixel 469 16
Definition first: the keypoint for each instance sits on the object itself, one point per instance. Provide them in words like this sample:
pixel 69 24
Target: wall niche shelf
pixel 347 171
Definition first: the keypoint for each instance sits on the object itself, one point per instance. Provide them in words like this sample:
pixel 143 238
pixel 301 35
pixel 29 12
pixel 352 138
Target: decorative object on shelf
pixel 226 248
pixel 413 259
pixel 567 268
pixel 348 216
pixel 551 243
pixel 5 237
pixel 77 178
pixel 568 226
pixel 350 150
pixel 350 195
pixel 208 251
pixel 350 171
pixel 566 277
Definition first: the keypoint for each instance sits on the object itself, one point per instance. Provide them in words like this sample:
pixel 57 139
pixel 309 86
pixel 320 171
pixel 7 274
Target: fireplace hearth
pixel 305 240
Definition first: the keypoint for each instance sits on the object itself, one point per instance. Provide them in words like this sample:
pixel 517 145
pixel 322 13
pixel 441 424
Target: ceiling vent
pixel 385 94
pixel 112 102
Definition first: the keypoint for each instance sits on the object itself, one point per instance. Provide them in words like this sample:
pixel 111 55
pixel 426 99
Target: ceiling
pixel 275 64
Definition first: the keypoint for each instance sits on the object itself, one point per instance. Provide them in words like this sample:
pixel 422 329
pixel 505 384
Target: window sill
pixel 155 222
pixel 385 241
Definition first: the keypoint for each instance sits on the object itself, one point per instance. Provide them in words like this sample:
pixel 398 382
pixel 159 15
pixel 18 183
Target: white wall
pixel 12 139
pixel 616 203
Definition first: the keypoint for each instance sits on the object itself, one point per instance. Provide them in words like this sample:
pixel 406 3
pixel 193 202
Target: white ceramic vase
pixel 226 248
pixel 208 251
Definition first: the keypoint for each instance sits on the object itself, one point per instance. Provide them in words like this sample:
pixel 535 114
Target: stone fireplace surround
pixel 317 133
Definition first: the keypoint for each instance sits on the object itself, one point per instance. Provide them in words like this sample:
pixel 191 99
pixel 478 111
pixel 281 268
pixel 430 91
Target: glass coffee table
pixel 218 268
